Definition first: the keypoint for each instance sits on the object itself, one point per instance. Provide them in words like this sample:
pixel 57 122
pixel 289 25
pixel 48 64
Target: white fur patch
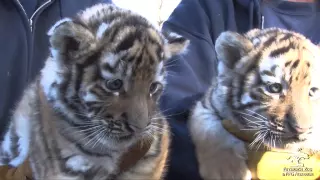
pixel 116 93
pixel 102 28
pixel 174 35
pixel 248 175
pixel 49 76
pixel 79 164
pixel 111 59
pixel 107 74
pixel 159 77
pixel 256 41
pixel 54 53
pixel 245 99
pixel 270 79
pixel 7 142
pixel 23 130
pixel 267 65
pixel 58 23
pixel 89 97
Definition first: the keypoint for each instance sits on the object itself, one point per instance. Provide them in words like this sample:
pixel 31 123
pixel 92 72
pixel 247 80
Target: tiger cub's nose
pixel 298 129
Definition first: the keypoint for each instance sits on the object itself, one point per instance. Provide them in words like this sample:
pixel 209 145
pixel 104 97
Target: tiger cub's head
pixel 271 83
pixel 107 69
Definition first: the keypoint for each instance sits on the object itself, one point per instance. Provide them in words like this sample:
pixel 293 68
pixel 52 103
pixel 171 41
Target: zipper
pixel 37 10
pixel 33 15
pixel 262 22
pixel 24 11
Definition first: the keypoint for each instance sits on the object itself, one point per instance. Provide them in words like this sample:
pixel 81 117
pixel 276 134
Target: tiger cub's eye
pixel 314 92
pixel 114 85
pixel 154 88
pixel 274 88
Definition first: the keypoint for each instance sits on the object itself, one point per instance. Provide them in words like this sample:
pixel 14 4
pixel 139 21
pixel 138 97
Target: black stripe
pixel 125 69
pixel 114 33
pixel 101 93
pixel 286 37
pixel 282 50
pixel 249 105
pixel 273 69
pixel 287 63
pixel 177 40
pixel 129 22
pixel 159 51
pixel 108 67
pixel 97 154
pixel 127 42
pixel 128 58
pixel 260 95
pixel 139 57
pixel 92 59
pixel 97 75
pixel 62 91
pixel 295 64
pixel 268 73
pixel 268 42
pixel 290 80
pixel 79 77
pixel 308 64
pixel 210 99
pixel 251 66
pixel 76 79
pixel 66 119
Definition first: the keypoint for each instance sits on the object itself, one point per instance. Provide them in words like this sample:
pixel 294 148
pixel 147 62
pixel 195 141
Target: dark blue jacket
pixel 24 43
pixel 202 21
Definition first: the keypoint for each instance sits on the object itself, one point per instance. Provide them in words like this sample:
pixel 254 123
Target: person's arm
pixel 189 76
pixel 191 73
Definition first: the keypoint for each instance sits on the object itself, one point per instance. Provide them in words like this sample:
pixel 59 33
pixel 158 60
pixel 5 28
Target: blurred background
pixel 157 11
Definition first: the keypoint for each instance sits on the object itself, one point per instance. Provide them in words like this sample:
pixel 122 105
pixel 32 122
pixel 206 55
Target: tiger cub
pixel 92 113
pixel 267 81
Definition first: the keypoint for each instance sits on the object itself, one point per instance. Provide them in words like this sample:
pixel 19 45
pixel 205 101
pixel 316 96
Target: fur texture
pixel 268 82
pixel 100 88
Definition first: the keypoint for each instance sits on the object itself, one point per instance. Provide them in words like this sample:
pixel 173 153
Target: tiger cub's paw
pixel 225 165
pixel 14 148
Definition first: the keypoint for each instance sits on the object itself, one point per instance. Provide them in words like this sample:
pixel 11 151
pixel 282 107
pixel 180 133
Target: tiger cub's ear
pixel 231 47
pixel 71 39
pixel 175 43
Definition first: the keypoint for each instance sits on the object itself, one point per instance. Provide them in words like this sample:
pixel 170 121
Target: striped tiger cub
pixel 92 113
pixel 268 81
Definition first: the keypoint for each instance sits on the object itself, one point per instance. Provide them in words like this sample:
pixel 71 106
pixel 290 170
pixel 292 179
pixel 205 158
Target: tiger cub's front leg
pixel 219 154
